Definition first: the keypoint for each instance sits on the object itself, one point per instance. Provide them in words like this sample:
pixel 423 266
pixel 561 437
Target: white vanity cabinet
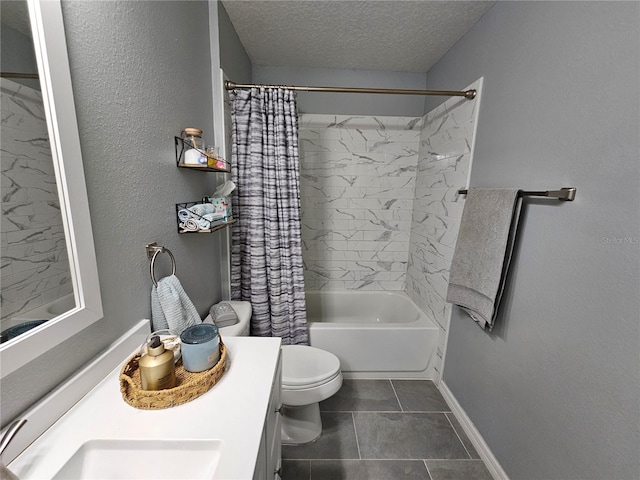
pixel 235 425
pixel 269 458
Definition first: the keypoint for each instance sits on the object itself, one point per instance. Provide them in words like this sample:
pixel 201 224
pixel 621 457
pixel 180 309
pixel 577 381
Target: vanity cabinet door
pixel 260 472
pixel 269 461
pixel 273 426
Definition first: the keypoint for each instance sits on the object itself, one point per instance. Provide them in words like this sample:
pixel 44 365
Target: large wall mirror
pixel 49 289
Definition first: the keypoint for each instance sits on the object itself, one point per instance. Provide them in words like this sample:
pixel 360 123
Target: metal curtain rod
pixel 468 94
pixel 565 193
pixel 19 75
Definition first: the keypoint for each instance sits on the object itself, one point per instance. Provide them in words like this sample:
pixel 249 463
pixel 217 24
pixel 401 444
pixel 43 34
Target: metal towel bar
pixel 565 193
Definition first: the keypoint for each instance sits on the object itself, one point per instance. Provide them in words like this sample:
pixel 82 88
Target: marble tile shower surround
pixel 35 265
pixel 380 204
pixel 445 154
pixel 357 180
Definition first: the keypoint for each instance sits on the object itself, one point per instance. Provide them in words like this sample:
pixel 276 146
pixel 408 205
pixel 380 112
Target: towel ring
pixel 152 252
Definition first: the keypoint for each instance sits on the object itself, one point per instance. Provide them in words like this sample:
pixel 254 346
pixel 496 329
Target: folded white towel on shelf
pixel 171 307
pixel 205 222
pixel 201 209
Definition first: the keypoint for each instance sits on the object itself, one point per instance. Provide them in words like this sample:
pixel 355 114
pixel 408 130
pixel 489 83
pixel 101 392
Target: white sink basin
pixel 143 459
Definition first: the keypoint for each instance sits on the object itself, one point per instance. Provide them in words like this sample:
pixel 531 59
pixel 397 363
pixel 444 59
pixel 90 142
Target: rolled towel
pixel 184 214
pixel 190 225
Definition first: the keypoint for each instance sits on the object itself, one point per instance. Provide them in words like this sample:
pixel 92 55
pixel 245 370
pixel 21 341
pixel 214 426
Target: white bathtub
pixel 374 334
pixel 45 312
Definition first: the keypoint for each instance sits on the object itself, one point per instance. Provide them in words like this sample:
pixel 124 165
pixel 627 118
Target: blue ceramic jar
pixel 200 347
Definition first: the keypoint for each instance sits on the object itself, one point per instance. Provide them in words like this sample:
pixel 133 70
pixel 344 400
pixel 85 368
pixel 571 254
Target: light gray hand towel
pixel 171 307
pixel 483 252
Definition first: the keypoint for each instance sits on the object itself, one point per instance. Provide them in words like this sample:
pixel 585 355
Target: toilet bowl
pixel 309 375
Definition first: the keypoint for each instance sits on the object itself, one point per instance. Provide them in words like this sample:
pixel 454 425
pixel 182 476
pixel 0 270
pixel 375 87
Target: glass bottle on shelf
pixel 214 158
pixel 194 154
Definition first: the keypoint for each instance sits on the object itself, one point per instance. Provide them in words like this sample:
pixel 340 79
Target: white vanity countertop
pixel 233 411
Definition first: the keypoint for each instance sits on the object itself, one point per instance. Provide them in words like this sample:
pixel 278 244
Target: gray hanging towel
pixel 171 307
pixel 483 252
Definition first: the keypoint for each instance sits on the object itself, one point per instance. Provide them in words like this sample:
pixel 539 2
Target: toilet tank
pixel 241 328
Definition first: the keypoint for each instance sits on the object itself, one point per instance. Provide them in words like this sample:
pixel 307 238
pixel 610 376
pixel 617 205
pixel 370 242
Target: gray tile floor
pixel 386 430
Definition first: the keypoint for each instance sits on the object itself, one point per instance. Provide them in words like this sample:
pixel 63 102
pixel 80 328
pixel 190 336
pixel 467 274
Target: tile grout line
pixel 427 467
pixel 396 394
pixel 355 431
pixel 454 460
pixel 402 411
pixel 387 411
pixel 458 435
pixel 384 460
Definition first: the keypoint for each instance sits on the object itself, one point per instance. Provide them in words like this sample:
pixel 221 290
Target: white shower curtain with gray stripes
pixel 266 251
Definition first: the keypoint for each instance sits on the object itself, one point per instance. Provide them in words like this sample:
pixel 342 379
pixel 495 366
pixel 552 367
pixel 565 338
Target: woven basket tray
pixel 189 385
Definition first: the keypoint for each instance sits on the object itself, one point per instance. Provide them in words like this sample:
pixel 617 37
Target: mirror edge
pixel 57 92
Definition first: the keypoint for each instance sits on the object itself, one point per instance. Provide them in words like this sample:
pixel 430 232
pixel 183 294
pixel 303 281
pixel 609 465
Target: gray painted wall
pixel 348 103
pixel 234 60
pixel 140 74
pixel 554 390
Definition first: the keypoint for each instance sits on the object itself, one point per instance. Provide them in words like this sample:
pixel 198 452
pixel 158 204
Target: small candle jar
pixel 200 347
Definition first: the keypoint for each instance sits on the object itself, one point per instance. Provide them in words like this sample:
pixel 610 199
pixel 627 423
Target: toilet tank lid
pixel 304 365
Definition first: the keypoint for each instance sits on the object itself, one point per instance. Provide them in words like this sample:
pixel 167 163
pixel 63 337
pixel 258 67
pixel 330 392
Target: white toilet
pixel 309 375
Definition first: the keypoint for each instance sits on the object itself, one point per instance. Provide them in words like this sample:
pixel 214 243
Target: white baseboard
pixel 474 435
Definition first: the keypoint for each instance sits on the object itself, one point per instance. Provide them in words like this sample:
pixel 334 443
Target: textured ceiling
pixel 398 35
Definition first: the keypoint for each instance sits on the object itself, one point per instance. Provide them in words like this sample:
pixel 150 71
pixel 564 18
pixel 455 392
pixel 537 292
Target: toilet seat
pixel 305 367
pixel 310 385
